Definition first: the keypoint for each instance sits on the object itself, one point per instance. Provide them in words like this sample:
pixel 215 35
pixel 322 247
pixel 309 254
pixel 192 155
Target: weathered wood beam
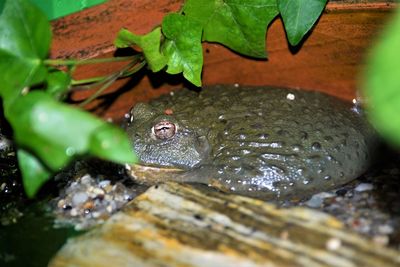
pixel 179 225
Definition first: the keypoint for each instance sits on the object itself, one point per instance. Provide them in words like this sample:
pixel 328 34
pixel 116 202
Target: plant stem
pixel 102 78
pixel 67 62
pixel 110 79
pixel 89 80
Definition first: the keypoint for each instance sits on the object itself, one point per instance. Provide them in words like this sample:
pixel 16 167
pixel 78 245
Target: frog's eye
pixel 163 130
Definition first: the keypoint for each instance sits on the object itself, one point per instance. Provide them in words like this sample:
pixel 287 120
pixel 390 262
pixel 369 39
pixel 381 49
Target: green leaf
pixel 382 83
pixel 111 143
pixel 239 25
pixel 58 84
pixel 18 73
pixel 25 30
pixel 34 173
pixel 2 2
pixel 182 47
pixel 149 43
pixel 299 16
pixel 56 132
pixel 24 42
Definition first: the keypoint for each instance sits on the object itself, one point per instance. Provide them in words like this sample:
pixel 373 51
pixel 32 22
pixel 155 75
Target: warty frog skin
pixel 258 141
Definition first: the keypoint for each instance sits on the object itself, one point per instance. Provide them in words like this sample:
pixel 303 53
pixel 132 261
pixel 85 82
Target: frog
pixel 258 141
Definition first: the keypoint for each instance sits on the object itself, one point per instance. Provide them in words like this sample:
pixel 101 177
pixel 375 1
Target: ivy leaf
pixel 35 174
pixel 299 16
pixel 382 83
pixel 25 30
pixel 239 25
pixel 106 139
pixel 58 132
pixel 16 74
pixel 58 83
pixel 182 47
pixel 149 43
pixel 2 2
pixel 24 43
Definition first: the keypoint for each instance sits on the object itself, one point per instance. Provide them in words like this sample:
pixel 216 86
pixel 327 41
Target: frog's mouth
pixel 152 174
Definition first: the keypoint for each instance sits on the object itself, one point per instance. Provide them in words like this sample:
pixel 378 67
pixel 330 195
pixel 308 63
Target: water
pixel 32 241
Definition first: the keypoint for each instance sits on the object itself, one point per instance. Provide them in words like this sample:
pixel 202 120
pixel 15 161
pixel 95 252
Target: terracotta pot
pixel 329 60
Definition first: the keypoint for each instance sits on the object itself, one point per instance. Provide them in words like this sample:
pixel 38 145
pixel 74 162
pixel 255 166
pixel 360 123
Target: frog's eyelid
pixel 153 130
pixel 153 134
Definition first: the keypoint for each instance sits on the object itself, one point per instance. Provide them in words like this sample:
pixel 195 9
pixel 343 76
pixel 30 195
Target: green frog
pixel 262 142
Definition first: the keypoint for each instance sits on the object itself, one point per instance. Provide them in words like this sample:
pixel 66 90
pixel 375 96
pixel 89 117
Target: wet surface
pixel 369 205
pixel 32 240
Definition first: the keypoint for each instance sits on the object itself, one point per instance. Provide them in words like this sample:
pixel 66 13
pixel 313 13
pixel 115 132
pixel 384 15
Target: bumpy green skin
pixel 257 141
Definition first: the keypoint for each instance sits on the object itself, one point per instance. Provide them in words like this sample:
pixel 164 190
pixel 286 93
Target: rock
pixel 364 187
pixel 317 200
pixel 89 200
pixel 79 198
pixel 179 225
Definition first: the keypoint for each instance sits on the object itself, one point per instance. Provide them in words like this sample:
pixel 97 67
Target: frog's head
pixel 159 138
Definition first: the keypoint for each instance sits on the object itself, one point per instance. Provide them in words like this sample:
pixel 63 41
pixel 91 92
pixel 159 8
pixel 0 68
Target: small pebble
pixel 88 205
pixel 315 201
pixel 104 183
pixel 128 197
pixel 73 212
pixel 108 188
pixel 364 187
pixel 326 195
pixel 96 214
pixel 86 179
pixel 339 199
pixel 61 204
pixel 79 198
pixel 98 191
pixel 109 208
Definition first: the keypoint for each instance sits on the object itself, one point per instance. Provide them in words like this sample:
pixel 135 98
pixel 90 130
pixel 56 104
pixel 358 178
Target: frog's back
pixel 277 141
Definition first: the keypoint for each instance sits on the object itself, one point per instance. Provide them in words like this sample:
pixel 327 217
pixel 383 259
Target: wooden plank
pixel 178 225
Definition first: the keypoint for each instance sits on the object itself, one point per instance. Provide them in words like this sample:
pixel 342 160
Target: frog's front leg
pixel 151 175
pixel 244 183
pixel 205 174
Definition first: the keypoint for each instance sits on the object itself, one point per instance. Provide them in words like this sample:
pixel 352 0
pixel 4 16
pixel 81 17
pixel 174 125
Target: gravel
pixel 92 197
pixel 369 205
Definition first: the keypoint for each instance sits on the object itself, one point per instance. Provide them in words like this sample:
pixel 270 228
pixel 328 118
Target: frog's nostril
pixel 163 130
